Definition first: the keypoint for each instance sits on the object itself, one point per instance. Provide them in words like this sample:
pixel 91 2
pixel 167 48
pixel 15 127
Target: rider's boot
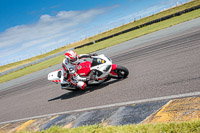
pixel 64 84
pixel 82 85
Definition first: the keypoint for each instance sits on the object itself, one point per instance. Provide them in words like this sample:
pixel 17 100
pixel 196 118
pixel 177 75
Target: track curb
pixel 175 110
pixel 185 109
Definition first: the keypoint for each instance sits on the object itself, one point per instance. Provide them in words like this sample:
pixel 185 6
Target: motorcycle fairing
pixel 97 61
pixel 114 67
pixel 56 81
pixel 83 68
pixel 55 76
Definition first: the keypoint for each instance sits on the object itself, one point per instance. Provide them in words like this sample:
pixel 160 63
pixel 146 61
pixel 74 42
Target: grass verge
pixel 180 127
pixel 104 34
pixel 104 44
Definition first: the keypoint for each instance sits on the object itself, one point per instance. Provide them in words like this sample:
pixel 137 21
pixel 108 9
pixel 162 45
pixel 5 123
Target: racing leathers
pixel 71 77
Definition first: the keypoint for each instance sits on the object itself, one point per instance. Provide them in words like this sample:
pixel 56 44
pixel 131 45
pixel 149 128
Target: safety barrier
pixel 142 25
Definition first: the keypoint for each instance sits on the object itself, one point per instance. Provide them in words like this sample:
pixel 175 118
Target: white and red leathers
pixel 70 73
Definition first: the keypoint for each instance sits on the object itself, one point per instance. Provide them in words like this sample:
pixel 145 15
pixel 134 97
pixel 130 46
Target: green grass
pixel 179 127
pixel 104 34
pixel 104 44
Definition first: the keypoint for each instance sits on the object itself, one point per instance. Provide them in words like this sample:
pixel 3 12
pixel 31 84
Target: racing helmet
pixel 72 57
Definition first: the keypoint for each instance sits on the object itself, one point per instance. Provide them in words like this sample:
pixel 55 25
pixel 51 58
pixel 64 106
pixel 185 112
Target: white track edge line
pixel 109 105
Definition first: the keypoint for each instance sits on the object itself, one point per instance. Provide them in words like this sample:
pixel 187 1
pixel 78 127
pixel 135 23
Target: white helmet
pixel 72 57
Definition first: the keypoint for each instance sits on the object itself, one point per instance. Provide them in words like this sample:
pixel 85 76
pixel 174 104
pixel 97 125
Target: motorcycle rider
pixel 71 77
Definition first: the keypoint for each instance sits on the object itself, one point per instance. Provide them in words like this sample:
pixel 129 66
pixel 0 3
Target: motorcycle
pixel 99 66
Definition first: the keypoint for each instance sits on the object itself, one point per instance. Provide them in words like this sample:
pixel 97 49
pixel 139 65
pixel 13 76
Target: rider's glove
pixel 71 70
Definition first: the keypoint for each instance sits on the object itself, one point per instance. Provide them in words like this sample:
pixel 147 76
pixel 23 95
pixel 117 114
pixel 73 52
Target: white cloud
pixel 48 33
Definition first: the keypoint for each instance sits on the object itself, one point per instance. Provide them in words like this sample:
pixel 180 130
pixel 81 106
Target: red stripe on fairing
pixel 56 80
pixel 59 70
pixel 101 78
pixel 113 73
pixel 114 67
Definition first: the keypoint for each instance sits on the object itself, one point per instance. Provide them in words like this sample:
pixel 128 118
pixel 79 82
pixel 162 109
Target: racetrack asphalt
pixel 166 66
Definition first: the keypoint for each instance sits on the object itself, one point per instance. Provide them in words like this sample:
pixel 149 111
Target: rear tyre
pixel 122 72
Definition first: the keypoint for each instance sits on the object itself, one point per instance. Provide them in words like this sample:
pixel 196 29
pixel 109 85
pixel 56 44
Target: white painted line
pixel 110 105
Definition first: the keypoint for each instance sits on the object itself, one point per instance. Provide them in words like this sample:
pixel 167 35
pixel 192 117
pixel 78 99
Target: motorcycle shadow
pixel 72 94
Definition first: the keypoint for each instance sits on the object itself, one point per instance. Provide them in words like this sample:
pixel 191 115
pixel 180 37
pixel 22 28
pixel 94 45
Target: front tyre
pixel 121 71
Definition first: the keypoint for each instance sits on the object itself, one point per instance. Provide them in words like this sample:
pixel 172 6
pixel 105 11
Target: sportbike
pixel 100 67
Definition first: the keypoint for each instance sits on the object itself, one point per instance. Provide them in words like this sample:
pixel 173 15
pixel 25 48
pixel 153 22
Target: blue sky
pixel 32 27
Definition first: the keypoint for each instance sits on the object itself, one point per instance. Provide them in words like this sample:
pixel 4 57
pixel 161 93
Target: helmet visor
pixel 74 60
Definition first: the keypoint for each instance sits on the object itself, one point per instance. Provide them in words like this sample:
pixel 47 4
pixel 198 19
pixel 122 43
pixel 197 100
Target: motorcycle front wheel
pixel 122 72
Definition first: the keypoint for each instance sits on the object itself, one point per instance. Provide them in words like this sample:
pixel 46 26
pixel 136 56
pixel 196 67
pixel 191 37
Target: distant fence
pixel 142 25
pixel 104 38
